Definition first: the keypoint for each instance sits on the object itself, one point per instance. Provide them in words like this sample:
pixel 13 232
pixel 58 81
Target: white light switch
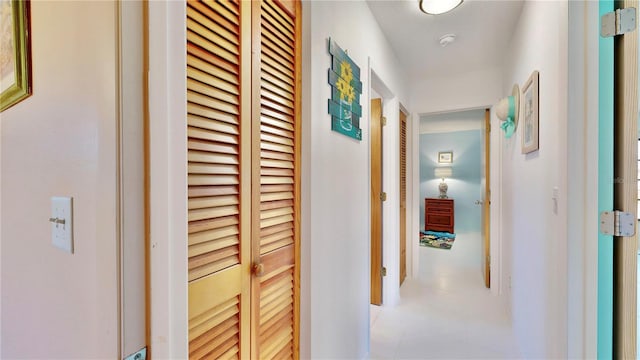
pixel 61 221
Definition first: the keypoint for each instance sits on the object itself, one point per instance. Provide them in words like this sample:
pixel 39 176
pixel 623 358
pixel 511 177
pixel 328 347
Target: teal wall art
pixel 346 88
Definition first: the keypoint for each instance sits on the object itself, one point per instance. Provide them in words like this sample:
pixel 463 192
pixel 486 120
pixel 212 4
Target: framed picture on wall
pixel 445 157
pixel 15 52
pixel 530 122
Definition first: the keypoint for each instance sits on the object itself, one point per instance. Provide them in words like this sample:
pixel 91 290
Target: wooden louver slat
pixel 275 59
pixel 218 18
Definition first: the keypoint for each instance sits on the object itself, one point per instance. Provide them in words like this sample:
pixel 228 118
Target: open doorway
pixel 453 179
pixel 385 204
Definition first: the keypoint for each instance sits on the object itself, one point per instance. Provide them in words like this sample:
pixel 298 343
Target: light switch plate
pixel 61 221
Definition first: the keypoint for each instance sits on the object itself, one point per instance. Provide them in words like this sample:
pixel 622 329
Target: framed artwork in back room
pixel 445 157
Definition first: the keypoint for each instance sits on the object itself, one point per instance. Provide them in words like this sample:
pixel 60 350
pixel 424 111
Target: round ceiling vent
pixel 447 39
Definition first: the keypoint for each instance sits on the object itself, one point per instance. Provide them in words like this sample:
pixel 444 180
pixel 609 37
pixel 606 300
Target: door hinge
pixel 384 271
pixel 138 355
pixel 618 22
pixel 383 196
pixel 384 121
pixel 617 223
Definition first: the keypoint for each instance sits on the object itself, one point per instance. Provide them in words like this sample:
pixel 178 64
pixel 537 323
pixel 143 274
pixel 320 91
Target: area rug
pixel 439 240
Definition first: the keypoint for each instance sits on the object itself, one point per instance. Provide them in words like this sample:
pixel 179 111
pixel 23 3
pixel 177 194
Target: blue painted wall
pixel 465 184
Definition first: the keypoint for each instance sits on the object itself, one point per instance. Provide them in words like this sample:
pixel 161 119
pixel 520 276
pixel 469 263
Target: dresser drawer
pixel 439 210
pixel 439 204
pixel 439 215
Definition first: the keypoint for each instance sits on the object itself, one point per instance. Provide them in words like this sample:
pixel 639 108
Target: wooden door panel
pixel 218 262
pixel 376 202
pixel 276 134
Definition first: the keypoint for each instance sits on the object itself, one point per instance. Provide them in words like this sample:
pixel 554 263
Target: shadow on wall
pixel 465 183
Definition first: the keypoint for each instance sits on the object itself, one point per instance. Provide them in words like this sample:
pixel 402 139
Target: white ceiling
pixel 483 29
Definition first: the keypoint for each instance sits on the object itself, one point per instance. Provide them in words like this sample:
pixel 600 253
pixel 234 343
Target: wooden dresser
pixel 438 215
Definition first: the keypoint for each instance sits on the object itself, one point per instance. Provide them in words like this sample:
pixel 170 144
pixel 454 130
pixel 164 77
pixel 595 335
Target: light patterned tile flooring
pixel 445 312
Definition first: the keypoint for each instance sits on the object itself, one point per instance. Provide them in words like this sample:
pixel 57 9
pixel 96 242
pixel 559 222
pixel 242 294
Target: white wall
pixel 335 243
pixel 62 141
pixel 533 231
pixel 472 90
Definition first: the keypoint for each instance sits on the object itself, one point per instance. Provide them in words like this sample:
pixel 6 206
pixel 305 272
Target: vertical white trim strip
pixel 130 202
pixel 168 179
pixel 582 175
pixel 118 169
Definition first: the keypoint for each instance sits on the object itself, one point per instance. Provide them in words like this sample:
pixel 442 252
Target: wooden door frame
pixel 625 189
pixel 496 139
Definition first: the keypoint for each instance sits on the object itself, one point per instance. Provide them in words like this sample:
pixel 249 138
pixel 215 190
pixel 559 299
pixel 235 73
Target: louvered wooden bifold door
pixel 275 147
pixel 243 175
pixel 403 197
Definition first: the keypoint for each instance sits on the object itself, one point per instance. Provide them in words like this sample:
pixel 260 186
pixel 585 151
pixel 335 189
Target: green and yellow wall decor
pixel 346 88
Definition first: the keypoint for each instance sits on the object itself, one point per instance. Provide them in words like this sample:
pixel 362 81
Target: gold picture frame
pixel 15 52
pixel 530 117
pixel 445 157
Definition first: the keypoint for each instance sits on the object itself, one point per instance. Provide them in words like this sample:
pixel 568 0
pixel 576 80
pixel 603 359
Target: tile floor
pixel 445 312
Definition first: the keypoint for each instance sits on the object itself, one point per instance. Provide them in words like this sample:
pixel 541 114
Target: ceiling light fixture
pixel 436 7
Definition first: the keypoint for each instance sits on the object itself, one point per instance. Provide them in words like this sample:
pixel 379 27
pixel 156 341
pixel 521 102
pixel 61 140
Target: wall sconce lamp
pixel 437 7
pixel 442 173
pixel 507 110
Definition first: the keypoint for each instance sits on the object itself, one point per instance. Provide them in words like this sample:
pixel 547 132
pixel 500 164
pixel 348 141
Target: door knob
pixel 478 202
pixel 258 270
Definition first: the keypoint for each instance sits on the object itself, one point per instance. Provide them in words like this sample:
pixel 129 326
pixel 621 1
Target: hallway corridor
pixel 446 312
